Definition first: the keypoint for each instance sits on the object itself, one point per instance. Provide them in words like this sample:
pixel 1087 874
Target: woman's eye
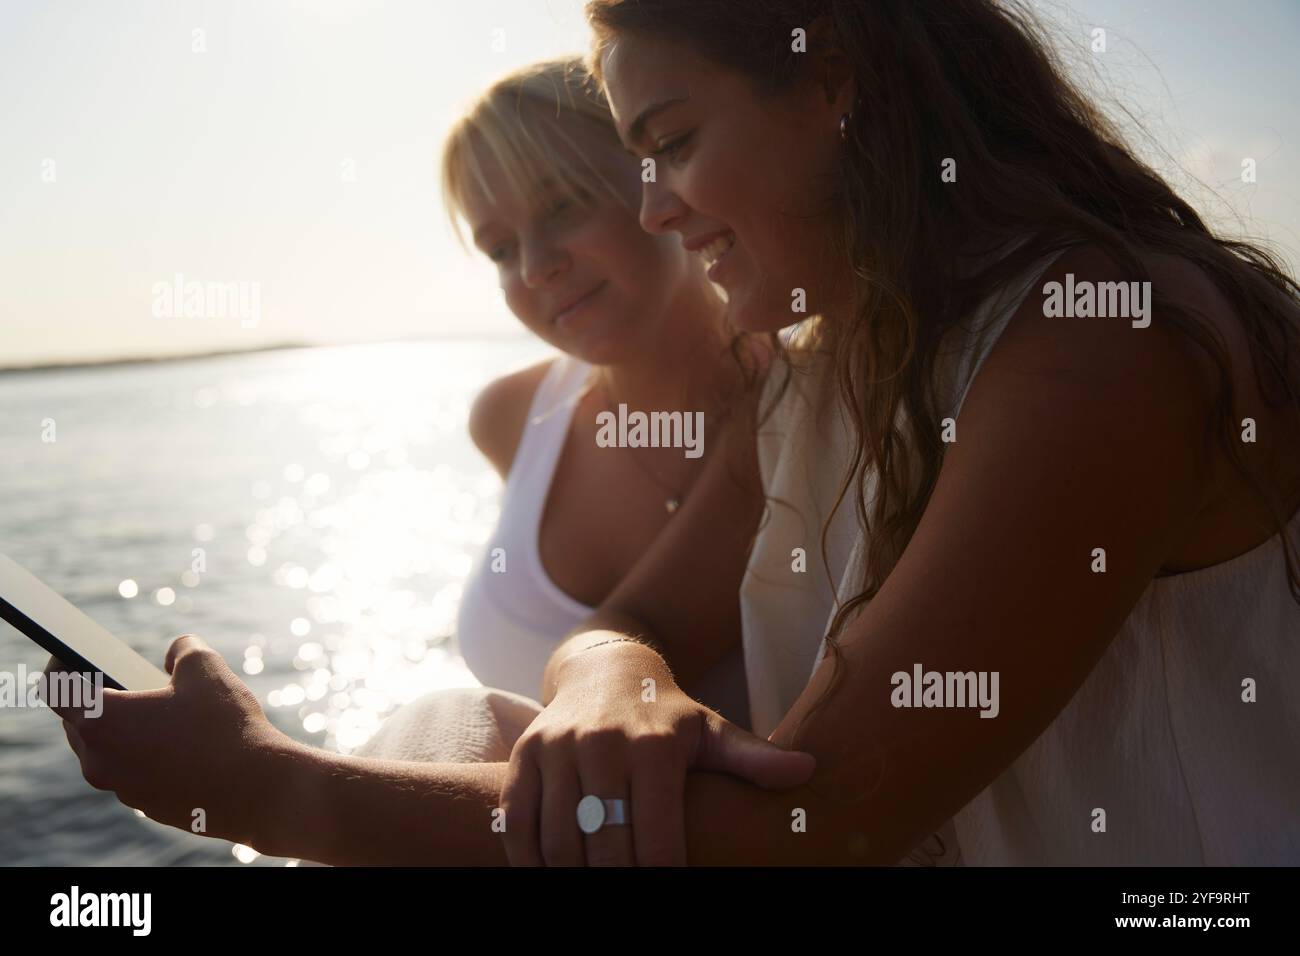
pixel 559 209
pixel 672 148
pixel 498 253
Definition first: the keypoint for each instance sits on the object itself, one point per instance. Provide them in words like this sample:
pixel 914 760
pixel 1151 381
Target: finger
pixel 194 666
pixel 90 695
pixel 91 770
pixel 74 739
pixel 602 770
pixel 560 840
pixel 659 810
pixel 729 749
pixel 57 690
pixel 183 646
pixel 54 702
pixel 521 800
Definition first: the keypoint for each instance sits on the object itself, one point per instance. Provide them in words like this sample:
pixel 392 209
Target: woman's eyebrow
pixel 636 131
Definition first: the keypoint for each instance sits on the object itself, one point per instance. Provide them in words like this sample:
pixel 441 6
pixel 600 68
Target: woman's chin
pixel 597 348
pixel 757 317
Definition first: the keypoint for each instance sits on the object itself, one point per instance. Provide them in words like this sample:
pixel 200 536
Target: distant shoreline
pixel 218 353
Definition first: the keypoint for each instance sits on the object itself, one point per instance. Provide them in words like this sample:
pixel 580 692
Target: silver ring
pixel 594 813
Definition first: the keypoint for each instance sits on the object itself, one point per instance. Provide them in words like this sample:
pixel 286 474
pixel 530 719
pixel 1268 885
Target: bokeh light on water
pixel 312 514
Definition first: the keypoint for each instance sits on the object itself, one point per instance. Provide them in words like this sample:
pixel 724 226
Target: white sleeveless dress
pixel 509 623
pixel 1158 735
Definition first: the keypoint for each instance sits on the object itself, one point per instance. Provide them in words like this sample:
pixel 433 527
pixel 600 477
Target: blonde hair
pixel 509 124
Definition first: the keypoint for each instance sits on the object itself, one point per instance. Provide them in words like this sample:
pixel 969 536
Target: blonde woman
pixel 533 174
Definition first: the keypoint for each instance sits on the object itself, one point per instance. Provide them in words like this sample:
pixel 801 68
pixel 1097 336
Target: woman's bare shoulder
pixel 1091 299
pixel 500 411
pixel 1185 285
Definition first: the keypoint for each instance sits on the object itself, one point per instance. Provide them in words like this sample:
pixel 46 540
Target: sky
pixel 284 152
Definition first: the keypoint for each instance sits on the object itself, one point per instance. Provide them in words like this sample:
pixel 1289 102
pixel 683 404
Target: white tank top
pixel 512 618
pixel 1158 734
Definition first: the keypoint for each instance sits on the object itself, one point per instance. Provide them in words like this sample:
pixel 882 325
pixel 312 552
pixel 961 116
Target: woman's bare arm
pixel 362 811
pixel 359 811
pixel 1078 434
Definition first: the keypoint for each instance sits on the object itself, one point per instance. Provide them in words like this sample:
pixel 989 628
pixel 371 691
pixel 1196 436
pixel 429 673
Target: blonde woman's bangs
pixel 515 126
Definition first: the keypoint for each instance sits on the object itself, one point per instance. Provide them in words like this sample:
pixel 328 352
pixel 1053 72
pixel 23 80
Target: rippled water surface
pixel 311 513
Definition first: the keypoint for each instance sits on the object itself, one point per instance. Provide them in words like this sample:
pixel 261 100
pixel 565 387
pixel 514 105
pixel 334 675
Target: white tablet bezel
pixel 61 628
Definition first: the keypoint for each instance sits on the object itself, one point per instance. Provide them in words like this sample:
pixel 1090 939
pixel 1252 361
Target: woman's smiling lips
pixel 713 248
pixel 574 306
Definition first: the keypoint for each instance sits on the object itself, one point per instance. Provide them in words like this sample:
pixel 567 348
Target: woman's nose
pixel 661 209
pixel 541 262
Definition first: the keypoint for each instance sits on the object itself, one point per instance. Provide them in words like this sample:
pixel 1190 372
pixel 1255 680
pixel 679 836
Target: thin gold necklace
pixel 674 499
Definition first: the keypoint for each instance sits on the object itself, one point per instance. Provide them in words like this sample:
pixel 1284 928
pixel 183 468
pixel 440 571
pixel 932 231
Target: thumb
pixel 184 645
pixel 727 748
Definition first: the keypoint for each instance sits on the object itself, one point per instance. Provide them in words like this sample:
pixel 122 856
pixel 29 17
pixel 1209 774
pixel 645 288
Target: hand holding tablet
pixel 80 643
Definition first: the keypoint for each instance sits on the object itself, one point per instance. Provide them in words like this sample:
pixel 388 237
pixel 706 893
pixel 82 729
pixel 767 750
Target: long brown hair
pixel 978 81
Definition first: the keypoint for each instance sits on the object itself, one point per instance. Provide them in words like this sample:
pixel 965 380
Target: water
pixel 311 513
